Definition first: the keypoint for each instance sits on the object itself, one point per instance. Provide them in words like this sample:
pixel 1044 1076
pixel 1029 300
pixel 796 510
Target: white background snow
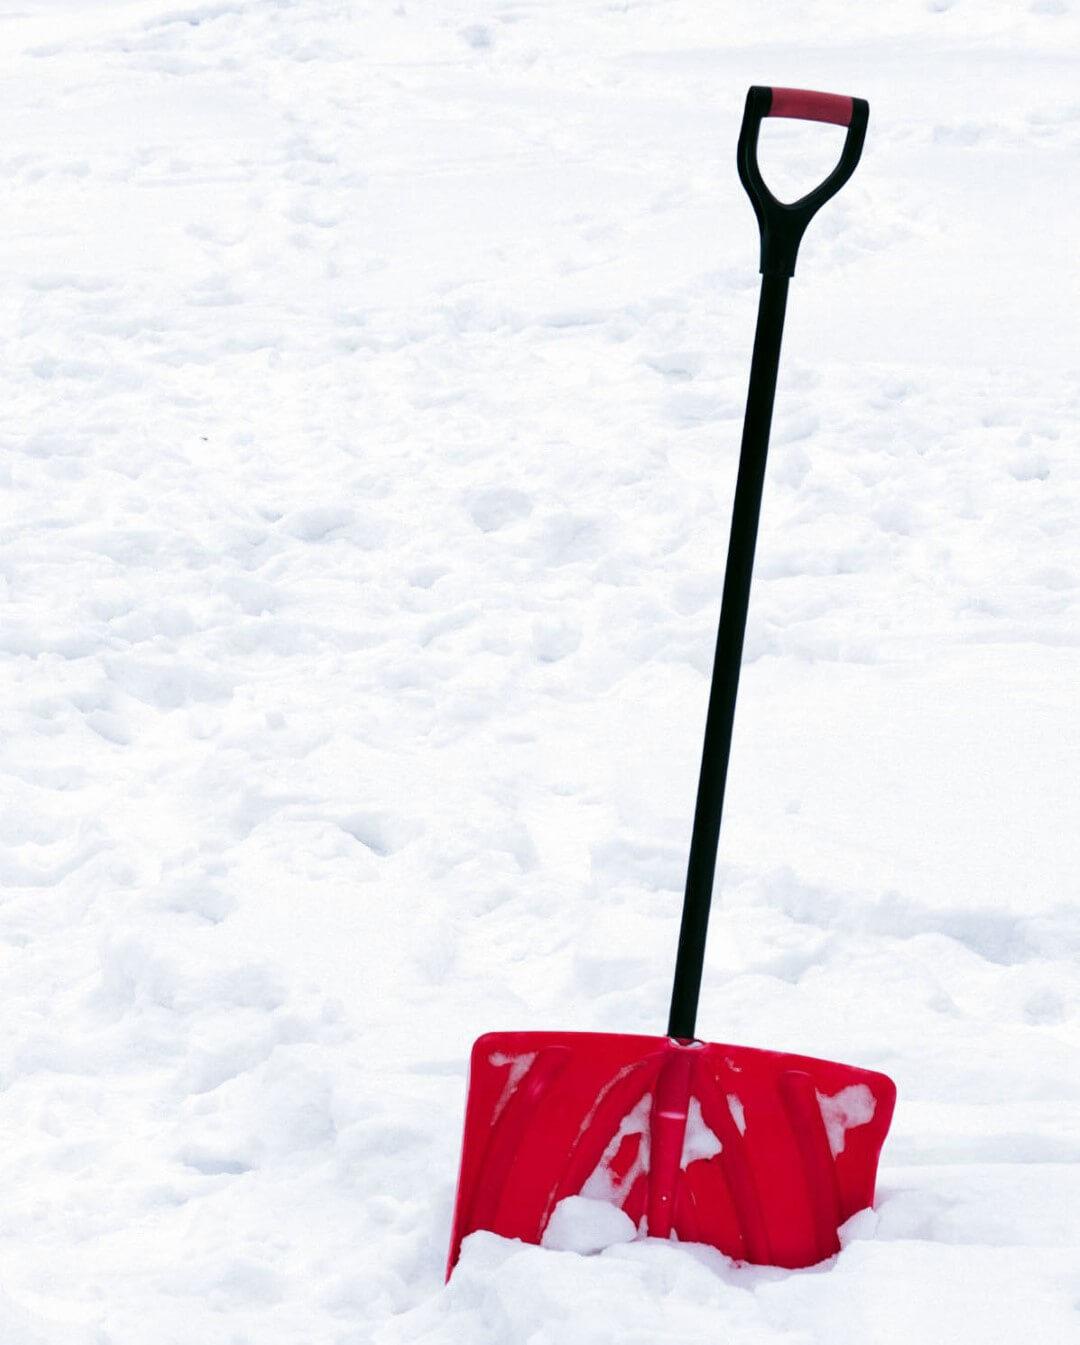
pixel 371 378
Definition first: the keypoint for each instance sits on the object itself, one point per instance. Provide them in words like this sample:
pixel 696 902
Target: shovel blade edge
pixel 761 1154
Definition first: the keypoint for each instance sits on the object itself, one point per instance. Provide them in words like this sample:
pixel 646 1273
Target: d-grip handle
pixel 782 226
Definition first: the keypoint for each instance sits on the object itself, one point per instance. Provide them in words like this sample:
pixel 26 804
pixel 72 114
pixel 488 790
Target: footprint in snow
pixel 496 507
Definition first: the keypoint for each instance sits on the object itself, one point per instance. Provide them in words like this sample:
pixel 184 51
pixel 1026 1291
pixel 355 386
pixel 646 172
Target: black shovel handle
pixel 782 225
pixel 782 228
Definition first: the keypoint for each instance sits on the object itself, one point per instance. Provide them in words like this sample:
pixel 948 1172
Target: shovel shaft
pixel 729 645
pixel 781 226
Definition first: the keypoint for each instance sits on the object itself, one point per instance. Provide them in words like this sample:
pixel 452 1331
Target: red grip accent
pixel 806 105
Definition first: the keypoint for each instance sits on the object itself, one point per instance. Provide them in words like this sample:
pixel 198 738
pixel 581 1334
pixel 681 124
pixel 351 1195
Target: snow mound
pixel 578 1224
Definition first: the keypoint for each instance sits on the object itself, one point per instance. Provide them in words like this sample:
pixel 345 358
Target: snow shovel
pixel 760 1153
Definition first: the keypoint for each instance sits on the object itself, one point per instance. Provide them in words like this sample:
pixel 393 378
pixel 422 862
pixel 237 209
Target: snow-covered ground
pixel 372 379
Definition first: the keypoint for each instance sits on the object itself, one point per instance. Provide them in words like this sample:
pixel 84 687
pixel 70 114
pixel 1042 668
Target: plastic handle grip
pixel 806 105
pixel 782 223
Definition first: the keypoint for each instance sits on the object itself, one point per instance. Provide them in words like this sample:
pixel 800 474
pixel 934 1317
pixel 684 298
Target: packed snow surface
pixel 372 380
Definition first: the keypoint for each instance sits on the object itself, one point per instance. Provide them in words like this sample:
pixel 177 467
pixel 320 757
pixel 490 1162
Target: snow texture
pixel 700 1141
pixel 371 387
pixel 841 1112
pixel 578 1224
pixel 603 1184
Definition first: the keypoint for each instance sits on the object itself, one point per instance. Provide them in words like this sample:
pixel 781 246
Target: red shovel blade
pixel 763 1155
